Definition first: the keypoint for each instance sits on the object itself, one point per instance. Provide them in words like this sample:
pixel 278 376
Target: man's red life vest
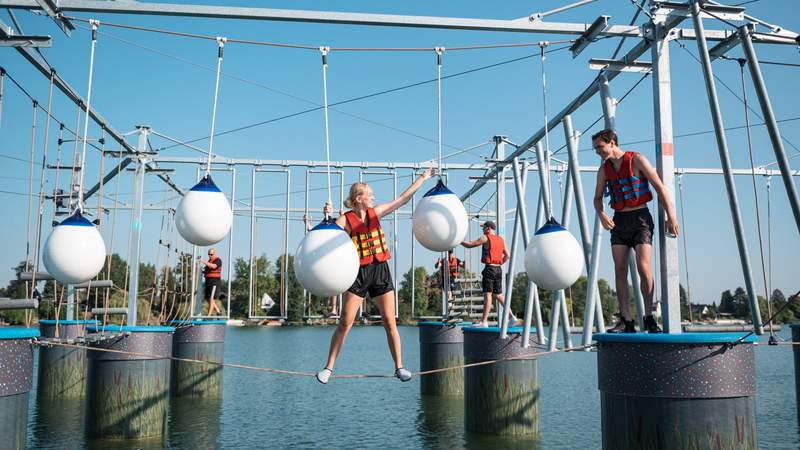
pixel 624 188
pixel 492 251
pixel 214 273
pixel 452 264
pixel 368 238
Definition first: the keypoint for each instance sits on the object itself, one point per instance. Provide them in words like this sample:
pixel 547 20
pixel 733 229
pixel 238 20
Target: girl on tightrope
pixel 362 222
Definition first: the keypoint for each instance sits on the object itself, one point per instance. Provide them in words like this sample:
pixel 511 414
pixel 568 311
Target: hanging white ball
pixel 326 262
pixel 440 220
pixel 74 251
pixel 204 216
pixel 554 258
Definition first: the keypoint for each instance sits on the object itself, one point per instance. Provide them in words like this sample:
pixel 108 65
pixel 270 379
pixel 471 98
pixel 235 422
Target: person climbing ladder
pixel 362 222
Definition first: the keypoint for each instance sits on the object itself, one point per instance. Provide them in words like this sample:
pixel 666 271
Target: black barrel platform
pixel 500 398
pixel 62 370
pixel 681 391
pixel 127 395
pixel 16 381
pixel 200 340
pixel 441 345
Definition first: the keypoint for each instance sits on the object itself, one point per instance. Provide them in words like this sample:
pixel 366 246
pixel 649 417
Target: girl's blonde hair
pixel 355 190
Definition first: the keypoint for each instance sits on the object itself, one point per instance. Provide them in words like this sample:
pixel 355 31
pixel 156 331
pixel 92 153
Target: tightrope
pixel 46 343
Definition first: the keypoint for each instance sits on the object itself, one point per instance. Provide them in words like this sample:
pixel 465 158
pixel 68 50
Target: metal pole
pixel 592 293
pixel 70 302
pixel 609 117
pixel 196 306
pixel 230 242
pixel 558 304
pixel 136 227
pixel 252 243
pixel 662 108
pixel 285 314
pixel 500 154
pixel 512 263
pixel 394 249
pixel 413 269
pixel 722 146
pixel 769 120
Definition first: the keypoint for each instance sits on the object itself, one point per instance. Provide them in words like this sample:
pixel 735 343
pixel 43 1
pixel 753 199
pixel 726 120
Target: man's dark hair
pixel 608 136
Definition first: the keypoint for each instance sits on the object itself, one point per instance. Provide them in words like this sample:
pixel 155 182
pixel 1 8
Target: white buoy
pixel 74 251
pixel 326 262
pixel 554 258
pixel 440 220
pixel 204 216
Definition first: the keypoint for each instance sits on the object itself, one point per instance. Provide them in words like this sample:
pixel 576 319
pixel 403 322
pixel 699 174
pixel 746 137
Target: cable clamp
pixel 324 52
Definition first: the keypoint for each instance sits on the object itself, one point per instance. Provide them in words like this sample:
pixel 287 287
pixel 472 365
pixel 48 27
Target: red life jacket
pixel 368 238
pixel 625 189
pixel 452 264
pixel 214 273
pixel 492 251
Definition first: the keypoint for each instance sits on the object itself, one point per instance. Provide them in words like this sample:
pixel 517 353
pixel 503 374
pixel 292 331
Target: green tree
pixel 420 293
pixel 295 313
pixel 240 287
pixel 726 303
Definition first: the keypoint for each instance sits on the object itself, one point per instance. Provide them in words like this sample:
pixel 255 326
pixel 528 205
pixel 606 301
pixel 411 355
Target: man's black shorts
pixel 210 284
pixel 453 285
pixel 632 228
pixel 375 279
pixel 492 279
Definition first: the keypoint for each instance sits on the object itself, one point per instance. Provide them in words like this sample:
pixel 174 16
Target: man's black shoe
pixel 650 325
pixel 622 326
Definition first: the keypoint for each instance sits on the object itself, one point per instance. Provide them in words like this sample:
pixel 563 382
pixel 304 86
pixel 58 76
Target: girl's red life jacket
pixel 368 238
pixel 492 251
pixel 214 273
pixel 624 188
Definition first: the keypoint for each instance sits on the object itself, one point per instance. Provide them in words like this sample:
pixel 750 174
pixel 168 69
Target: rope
pixel 768 322
pixel 28 285
pixel 549 200
pixel 38 239
pixel 220 46
pixel 439 54
pixel 685 245
pixel 755 191
pixel 94 24
pixel 47 343
pixel 324 52
pixel 2 79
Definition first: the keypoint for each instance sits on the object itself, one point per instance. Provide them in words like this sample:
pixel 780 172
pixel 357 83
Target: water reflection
pixel 194 423
pixel 57 422
pixel 440 422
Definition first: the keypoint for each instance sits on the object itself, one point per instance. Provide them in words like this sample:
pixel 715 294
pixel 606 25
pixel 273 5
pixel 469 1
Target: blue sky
pixel 167 82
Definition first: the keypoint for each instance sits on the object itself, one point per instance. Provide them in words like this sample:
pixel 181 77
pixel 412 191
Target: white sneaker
pixel 324 375
pixel 403 374
pixel 513 319
pixel 483 324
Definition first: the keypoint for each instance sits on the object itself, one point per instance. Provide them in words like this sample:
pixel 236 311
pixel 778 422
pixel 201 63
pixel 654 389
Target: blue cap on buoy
pixel 551 226
pixel 206 185
pixel 439 189
pixel 328 223
pixel 76 220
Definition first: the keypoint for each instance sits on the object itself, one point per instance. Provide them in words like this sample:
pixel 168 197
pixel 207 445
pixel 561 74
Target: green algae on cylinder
pixel 500 398
pixel 62 370
pixel 441 346
pixel 16 381
pixel 128 393
pixel 198 340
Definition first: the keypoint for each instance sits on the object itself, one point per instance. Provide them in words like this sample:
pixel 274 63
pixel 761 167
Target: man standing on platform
pixel 626 177
pixel 213 280
pixel 494 254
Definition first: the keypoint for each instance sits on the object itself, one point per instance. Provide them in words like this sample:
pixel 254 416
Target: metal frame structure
pixel 654 36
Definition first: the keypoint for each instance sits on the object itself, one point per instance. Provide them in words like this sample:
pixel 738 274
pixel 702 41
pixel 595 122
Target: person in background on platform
pixel 494 254
pixel 453 265
pixel 363 225
pixel 625 177
pixel 334 299
pixel 213 280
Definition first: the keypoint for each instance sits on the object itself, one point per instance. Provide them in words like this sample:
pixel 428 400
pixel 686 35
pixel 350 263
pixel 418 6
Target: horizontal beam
pixel 18 40
pixel 109 311
pixel 523 25
pixel 6 303
pixel 94 284
pixel 40 276
pixel 225 161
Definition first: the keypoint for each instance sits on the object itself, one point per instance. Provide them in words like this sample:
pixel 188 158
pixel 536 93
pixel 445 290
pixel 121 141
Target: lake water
pixel 262 410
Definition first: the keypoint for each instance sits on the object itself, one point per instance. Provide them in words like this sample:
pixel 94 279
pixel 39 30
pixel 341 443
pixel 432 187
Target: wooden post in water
pixel 62 370
pixel 128 394
pixel 500 398
pixel 683 391
pixel 16 381
pixel 796 353
pixel 203 340
pixel 441 345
